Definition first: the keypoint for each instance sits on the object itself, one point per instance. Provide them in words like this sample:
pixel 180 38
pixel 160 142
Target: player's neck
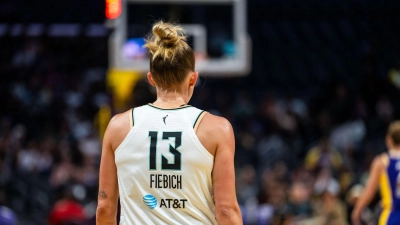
pixel 170 100
pixel 173 97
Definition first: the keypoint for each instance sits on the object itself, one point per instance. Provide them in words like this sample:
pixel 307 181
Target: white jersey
pixel 164 172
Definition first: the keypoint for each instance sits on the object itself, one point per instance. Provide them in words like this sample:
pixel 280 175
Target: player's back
pixel 390 182
pixel 164 172
pixel 390 190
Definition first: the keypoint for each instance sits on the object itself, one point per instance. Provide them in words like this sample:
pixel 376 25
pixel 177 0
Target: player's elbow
pixel 105 212
pixel 228 214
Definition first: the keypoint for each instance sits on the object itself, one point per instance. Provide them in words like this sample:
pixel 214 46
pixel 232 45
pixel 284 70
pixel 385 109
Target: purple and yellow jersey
pixel 390 191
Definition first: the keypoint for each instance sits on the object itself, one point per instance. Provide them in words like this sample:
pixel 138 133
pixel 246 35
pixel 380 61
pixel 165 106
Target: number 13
pixel 176 165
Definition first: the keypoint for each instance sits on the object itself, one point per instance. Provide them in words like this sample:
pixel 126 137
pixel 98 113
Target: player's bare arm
pixel 370 189
pixel 222 146
pixel 108 184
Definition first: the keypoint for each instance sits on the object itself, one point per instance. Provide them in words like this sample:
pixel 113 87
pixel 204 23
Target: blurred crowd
pixel 299 159
pixel 49 146
pixel 303 162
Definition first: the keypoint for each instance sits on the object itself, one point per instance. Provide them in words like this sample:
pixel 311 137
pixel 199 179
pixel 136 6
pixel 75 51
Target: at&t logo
pixel 150 201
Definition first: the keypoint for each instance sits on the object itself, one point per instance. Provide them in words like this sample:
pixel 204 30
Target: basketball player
pixel 168 162
pixel 385 172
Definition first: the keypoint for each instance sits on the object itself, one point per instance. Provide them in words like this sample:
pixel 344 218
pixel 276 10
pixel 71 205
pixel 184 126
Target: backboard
pixel 238 64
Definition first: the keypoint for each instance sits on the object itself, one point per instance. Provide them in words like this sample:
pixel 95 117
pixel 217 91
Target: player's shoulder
pixel 120 120
pixel 117 129
pixel 217 124
pixel 381 161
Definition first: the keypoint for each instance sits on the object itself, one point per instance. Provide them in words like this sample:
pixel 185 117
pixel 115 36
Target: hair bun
pixel 168 34
pixel 165 40
pixel 171 58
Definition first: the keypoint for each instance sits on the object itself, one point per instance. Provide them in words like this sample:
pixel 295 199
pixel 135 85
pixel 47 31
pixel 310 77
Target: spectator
pixel 67 210
pixel 330 207
pixel 394 75
pixel 323 155
pixel 384 109
pixel 7 216
pixel 300 201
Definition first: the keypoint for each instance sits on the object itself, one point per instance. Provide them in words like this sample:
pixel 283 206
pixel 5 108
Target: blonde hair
pixel 394 132
pixel 171 58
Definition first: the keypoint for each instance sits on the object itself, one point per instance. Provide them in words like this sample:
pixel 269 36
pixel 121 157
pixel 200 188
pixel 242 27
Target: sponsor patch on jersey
pixel 168 203
pixel 150 201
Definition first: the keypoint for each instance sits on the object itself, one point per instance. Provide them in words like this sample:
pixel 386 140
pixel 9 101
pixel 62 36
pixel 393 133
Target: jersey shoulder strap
pixel 194 116
pixel 198 120
pixel 132 121
pixel 138 114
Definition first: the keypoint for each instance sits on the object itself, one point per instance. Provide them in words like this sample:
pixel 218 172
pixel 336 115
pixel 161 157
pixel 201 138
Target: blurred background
pixel 308 118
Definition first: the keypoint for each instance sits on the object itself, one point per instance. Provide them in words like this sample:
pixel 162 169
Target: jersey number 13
pixel 165 165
